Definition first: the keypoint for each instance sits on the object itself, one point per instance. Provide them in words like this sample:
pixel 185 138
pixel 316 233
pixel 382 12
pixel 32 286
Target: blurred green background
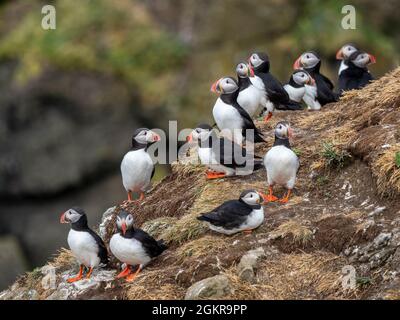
pixel 70 98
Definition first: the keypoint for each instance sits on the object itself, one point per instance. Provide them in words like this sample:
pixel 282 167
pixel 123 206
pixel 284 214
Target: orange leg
pixel 270 197
pixel 286 198
pixel 247 231
pixel 215 175
pixel 124 272
pixel 269 116
pixel 132 276
pixel 89 273
pixel 78 277
pixel 129 196
pixel 141 198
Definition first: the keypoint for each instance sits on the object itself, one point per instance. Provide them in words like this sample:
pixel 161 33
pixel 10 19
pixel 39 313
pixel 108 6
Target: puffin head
pixel 244 71
pixel 283 130
pixel 144 136
pixel 345 51
pixel 73 215
pixel 361 59
pixel 251 197
pixel 308 59
pixel 124 221
pixel 201 133
pixel 302 77
pixel 225 85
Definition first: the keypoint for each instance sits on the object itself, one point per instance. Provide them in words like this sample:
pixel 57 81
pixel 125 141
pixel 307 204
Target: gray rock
pixel 382 240
pixel 105 220
pixel 248 264
pixel 209 288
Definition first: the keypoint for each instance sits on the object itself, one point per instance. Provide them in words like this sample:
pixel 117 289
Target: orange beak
pixel 290 133
pixel 123 227
pixel 297 63
pixel 156 137
pixel 215 87
pixel 372 58
pixel 189 138
pixel 62 218
pixel 339 54
pixel 311 81
pixel 251 71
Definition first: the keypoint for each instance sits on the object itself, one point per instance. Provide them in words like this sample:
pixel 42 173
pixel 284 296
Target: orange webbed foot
pixel 132 276
pixel 78 276
pixel 247 231
pixel 124 272
pixel 215 175
pixel 269 116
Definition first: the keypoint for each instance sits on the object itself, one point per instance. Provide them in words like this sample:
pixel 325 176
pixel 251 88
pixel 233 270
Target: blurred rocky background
pixel 70 98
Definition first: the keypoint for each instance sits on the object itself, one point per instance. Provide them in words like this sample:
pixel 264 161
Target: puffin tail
pixel 258 137
pixel 258 164
pixel 290 105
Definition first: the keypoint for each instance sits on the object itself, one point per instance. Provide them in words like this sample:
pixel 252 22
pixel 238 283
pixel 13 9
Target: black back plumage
pixel 229 215
pixel 152 247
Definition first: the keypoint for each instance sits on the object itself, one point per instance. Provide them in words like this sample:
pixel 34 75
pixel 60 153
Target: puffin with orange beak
pixel 233 121
pixel 274 95
pixel 86 245
pixel 302 86
pixel 356 75
pixel 133 246
pixel 343 54
pixel 281 163
pixel 250 97
pixel 137 167
pixel 311 62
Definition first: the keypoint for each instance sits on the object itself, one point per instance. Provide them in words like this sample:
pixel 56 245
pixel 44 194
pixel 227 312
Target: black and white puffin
pixel 302 86
pixel 281 162
pixel 133 246
pixel 244 214
pixel 223 156
pixel 356 75
pixel 86 245
pixel 274 94
pixel 311 62
pixel 137 167
pixel 250 97
pixel 229 116
pixel 343 54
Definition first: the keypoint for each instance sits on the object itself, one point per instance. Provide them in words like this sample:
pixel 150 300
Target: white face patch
pixel 301 78
pixel 201 134
pixel 228 85
pixel 252 198
pixel 362 60
pixel 146 137
pixel 128 222
pixel 72 216
pixel 347 50
pixel 242 70
pixel 282 131
pixel 255 60
pixel 309 60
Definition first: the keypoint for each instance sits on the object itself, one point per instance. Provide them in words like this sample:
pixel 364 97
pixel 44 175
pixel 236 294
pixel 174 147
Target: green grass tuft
pixel 335 158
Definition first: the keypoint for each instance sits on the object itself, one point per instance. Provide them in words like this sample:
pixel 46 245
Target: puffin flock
pixel 255 92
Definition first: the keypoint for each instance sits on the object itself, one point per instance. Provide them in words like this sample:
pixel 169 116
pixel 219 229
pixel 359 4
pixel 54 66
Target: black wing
pixel 327 81
pixel 248 124
pixel 103 254
pixel 229 215
pixel 324 93
pixel 153 248
pixel 154 170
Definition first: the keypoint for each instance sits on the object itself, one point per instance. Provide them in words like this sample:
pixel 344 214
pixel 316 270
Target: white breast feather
pixel 129 251
pixel 281 164
pixel 250 100
pixel 295 94
pixel 136 170
pixel 84 247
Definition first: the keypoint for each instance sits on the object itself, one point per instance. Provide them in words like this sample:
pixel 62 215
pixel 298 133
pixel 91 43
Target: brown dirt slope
pixel 345 211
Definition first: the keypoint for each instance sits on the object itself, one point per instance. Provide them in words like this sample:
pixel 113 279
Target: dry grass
pixel 294 276
pixel 300 233
pixel 387 172
pixel 158 226
pixel 63 259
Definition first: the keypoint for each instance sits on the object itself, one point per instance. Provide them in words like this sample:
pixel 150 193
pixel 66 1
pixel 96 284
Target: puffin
pixel 301 86
pixel 344 53
pixel 242 215
pixel 311 62
pixel 229 116
pixel 281 162
pixel 250 97
pixel 356 75
pixel 133 246
pixel 274 94
pixel 137 167
pixel 85 244
pixel 222 156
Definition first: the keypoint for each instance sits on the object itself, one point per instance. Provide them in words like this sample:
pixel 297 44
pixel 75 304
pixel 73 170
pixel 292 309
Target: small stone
pixel 382 239
pixel 209 288
pixel 106 218
pixel 248 263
